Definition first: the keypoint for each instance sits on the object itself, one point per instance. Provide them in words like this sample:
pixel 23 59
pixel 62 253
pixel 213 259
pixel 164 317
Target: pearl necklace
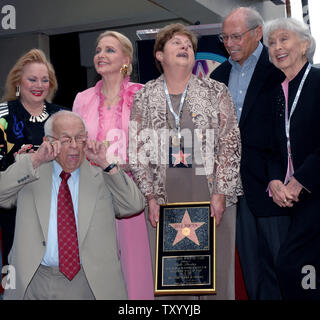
pixel 41 117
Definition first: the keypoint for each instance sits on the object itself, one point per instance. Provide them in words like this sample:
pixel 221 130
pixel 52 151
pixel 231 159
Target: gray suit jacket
pixel 101 197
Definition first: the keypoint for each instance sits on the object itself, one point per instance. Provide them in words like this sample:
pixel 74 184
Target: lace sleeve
pixel 140 143
pixel 228 149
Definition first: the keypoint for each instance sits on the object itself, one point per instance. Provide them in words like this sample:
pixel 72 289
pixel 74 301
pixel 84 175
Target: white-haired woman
pixel 106 110
pixel 294 166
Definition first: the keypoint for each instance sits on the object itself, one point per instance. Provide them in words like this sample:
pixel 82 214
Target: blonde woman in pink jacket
pixel 105 109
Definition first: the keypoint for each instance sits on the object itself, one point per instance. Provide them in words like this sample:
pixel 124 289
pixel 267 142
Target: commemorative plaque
pixel 185 249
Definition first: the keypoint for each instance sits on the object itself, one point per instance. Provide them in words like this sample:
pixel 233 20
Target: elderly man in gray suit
pixel 65 239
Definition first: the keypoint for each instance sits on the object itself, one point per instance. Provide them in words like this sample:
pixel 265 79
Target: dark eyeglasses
pixel 235 37
pixel 65 140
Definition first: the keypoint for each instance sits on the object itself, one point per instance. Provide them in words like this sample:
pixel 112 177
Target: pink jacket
pixel 87 102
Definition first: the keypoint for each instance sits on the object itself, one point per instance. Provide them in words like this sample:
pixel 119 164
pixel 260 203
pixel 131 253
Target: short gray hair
pixel 252 16
pixel 62 113
pixel 290 24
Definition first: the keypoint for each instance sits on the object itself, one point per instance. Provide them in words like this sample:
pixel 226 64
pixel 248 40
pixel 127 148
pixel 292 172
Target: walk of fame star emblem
pixel 186 229
pixel 180 157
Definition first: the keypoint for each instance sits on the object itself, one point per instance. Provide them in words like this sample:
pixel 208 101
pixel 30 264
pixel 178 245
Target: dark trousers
pixel 301 248
pixel 272 232
pixel 7 225
pixel 258 241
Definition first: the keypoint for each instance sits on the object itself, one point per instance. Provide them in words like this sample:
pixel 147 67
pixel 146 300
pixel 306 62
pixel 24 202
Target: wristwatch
pixel 110 167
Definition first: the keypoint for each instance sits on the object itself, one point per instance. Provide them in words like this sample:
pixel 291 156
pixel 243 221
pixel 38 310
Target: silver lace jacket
pixel 210 106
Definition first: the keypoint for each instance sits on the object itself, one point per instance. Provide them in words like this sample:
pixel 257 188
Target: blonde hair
pixel 125 43
pixel 15 74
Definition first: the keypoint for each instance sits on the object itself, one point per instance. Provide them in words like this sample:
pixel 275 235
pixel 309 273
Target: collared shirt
pixel 240 77
pixel 51 257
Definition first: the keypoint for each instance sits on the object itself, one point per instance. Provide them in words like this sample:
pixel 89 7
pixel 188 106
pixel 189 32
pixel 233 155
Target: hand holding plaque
pixel 185 255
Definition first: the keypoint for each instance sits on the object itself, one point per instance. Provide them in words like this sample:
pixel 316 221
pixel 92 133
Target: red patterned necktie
pixel 69 261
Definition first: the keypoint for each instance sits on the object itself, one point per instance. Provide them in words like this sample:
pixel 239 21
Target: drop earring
pixel 17 91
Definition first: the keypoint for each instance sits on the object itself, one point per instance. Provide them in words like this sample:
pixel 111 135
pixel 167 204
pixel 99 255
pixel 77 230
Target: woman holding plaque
pixel 201 160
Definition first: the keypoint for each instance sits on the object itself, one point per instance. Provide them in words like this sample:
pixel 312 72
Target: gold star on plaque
pixel 186 228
